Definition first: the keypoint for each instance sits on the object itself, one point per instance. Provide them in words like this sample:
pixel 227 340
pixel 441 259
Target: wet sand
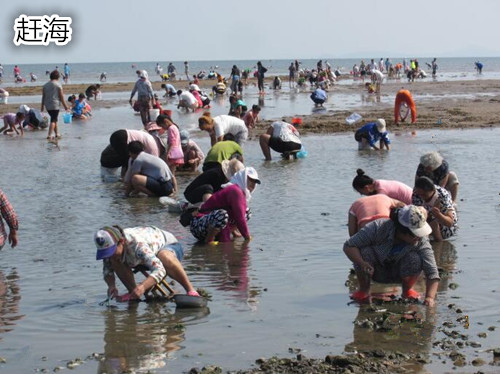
pixel 450 104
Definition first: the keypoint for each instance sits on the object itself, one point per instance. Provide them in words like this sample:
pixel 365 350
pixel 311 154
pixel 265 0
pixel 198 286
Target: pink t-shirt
pixel 197 97
pixel 146 139
pixel 394 189
pixel 10 119
pixel 370 208
pixel 174 140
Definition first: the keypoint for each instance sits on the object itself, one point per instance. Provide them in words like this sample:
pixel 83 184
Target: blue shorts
pixel 175 248
pixel 159 188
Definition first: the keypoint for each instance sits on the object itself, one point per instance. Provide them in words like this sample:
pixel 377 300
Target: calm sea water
pixel 449 68
pixel 284 290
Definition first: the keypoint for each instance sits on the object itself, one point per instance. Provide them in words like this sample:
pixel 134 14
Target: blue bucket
pixel 67 117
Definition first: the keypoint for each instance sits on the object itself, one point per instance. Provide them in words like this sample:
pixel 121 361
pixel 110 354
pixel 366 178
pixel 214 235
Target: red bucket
pixel 296 121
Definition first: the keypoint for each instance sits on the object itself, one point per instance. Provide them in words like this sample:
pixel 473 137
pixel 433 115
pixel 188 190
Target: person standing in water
pixel 186 70
pixel 261 70
pixel 52 98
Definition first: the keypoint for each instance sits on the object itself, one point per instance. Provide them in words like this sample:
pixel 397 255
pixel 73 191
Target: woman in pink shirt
pixel 369 208
pixel 196 95
pixel 226 210
pixel 394 189
pixel 175 156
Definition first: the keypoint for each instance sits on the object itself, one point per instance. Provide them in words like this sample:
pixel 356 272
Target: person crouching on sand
pixel 394 250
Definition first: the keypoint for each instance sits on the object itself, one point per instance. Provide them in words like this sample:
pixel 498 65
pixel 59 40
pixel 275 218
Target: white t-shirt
pixel 225 124
pixel 188 98
pixel 285 132
pixel 379 76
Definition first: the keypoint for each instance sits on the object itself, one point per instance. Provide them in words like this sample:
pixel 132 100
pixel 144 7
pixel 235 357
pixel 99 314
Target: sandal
pixel 360 296
pixel 411 294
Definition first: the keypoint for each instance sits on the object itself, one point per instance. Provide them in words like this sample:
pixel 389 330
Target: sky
pixel 164 30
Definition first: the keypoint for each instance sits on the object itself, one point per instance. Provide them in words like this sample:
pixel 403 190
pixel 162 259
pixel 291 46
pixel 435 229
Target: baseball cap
pixel 381 125
pixel 415 219
pixel 105 242
pixel 252 174
pixel 184 137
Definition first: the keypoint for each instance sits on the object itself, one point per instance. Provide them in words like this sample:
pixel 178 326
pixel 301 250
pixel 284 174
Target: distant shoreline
pixel 442 105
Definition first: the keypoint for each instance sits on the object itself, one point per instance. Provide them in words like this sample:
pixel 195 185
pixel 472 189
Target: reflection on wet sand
pixel 401 327
pixel 141 340
pixel 227 267
pixel 9 301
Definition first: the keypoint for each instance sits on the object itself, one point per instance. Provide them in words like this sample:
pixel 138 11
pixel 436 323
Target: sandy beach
pixel 450 104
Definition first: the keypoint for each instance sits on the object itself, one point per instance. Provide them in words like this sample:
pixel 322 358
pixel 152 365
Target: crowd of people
pixel 389 227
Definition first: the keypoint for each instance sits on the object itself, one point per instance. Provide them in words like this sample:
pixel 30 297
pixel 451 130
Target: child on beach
pixel 251 117
pixel 174 154
pixel 10 121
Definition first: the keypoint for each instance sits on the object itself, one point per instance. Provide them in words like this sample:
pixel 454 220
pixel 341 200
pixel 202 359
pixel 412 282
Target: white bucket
pixel 153 114
pixel 173 205
pixel 110 175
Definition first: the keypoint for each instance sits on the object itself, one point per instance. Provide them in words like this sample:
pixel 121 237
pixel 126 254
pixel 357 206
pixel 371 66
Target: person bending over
pixel 123 249
pixel 148 174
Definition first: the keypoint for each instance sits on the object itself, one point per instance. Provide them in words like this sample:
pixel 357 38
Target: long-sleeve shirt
pixel 143 88
pixel 379 235
pixel 370 129
pixel 9 215
pixel 231 199
pixel 142 245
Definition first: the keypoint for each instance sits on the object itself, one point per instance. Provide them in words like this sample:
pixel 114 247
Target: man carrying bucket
pixel 123 249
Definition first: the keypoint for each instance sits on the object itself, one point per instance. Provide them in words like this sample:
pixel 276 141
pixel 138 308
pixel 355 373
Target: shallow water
pixel 285 289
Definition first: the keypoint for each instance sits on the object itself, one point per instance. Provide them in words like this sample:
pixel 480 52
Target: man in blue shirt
pixel 319 96
pixel 371 133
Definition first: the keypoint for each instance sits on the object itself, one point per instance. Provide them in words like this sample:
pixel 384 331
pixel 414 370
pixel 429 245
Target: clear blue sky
pixel 160 30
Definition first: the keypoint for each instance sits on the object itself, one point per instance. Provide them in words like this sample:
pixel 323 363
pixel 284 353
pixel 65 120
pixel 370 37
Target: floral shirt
pixel 142 244
pixel 441 199
pixel 9 215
